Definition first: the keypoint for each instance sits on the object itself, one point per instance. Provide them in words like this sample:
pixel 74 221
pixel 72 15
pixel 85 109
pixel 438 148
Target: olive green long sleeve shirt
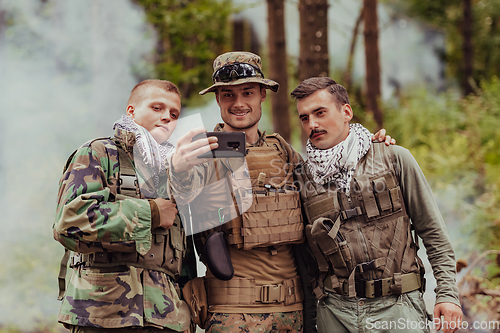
pixel 425 217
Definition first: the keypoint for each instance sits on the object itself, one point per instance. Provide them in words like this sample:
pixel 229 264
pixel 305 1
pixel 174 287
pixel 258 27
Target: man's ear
pixel 130 111
pixel 263 94
pixel 347 111
pixel 217 96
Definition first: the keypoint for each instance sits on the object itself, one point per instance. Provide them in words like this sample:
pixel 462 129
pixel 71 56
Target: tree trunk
pixel 372 60
pixel 313 57
pixel 347 79
pixel 238 35
pixel 278 67
pixel 467 47
pixel 254 41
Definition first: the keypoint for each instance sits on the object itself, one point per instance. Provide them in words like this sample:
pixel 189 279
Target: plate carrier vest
pixel 362 241
pixel 275 215
pixel 274 218
pixel 168 245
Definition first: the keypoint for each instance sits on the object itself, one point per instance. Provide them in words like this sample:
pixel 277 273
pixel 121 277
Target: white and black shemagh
pixel 338 164
pixel 153 155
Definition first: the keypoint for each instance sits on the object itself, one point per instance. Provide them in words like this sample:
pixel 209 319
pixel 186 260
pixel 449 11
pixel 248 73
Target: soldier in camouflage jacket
pixel 130 287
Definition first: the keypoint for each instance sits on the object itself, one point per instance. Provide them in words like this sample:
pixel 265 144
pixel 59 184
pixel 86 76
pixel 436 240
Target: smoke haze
pixel 66 70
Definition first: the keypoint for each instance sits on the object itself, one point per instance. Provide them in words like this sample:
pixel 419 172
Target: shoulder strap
pixel 128 184
pixel 282 145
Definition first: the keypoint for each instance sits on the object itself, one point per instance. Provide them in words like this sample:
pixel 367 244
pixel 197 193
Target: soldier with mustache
pixel 367 204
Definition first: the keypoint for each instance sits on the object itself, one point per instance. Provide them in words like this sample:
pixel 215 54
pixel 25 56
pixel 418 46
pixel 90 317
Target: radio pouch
pixel 195 295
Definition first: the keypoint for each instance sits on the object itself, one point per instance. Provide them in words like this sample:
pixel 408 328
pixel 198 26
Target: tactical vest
pixel 168 245
pixel 362 241
pixel 275 216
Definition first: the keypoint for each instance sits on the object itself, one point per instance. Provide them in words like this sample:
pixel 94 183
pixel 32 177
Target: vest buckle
pixel 368 266
pixel 347 214
pixel 271 293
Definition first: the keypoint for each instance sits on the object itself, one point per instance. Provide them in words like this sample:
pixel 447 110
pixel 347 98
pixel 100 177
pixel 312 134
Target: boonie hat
pixel 234 68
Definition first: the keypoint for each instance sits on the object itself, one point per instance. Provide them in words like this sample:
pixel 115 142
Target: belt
pixel 103 259
pixel 241 291
pixel 375 288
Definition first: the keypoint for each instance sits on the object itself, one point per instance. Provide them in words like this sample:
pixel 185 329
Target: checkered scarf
pixel 338 164
pixel 153 155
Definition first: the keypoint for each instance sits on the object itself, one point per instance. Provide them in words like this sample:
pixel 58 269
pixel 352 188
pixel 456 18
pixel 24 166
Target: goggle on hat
pixel 234 68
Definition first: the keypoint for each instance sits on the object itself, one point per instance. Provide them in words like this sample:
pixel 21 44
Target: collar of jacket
pixel 126 139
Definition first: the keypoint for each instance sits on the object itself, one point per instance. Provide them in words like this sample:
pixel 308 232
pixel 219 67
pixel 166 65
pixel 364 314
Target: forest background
pixel 426 70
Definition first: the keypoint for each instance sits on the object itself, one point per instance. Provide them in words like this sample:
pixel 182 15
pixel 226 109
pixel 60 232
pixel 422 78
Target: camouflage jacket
pixel 91 218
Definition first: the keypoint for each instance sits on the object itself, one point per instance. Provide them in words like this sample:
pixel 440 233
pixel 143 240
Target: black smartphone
pixel 231 144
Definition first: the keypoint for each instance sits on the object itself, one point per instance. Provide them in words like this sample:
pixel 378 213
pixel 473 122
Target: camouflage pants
pixel 81 329
pixel 278 322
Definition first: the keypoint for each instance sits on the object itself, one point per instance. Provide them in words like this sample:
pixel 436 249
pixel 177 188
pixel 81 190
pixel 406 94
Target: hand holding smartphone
pixel 231 144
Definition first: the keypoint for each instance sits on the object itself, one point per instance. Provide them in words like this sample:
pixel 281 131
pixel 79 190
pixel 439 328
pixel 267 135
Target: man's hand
pixel 452 317
pixel 187 152
pixel 380 136
pixel 168 211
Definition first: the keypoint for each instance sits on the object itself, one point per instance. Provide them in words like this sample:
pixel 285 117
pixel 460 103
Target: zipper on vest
pixel 363 243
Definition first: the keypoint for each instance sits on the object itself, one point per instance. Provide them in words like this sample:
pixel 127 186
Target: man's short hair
pixel 137 93
pixel 313 84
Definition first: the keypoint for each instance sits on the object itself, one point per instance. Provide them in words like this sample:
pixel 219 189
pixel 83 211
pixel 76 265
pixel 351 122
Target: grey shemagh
pixel 153 155
pixel 338 164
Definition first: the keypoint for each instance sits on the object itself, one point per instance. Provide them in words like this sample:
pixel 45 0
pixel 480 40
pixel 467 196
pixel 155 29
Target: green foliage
pixel 191 33
pixel 457 143
pixel 447 16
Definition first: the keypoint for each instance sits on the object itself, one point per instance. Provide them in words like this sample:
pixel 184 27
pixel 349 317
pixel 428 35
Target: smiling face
pixel 240 106
pixel 323 119
pixel 157 111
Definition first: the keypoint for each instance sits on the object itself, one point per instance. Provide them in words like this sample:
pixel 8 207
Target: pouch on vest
pixel 274 217
pixel 326 234
pixel 195 295
pixel 216 255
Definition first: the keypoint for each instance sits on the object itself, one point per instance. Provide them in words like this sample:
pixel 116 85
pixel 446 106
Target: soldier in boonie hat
pixel 265 289
pixel 234 68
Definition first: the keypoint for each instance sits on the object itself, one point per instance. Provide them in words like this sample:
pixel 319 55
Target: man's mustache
pixel 316 131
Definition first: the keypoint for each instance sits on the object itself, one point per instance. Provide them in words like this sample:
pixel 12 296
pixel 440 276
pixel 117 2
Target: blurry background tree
pixel 472 30
pixel 372 62
pixel 277 65
pixel 314 58
pixel 191 33
pixel 347 76
pixel 244 36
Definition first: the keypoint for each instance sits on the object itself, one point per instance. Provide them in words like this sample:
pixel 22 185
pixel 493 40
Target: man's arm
pixel 188 174
pixel 88 219
pixel 430 226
